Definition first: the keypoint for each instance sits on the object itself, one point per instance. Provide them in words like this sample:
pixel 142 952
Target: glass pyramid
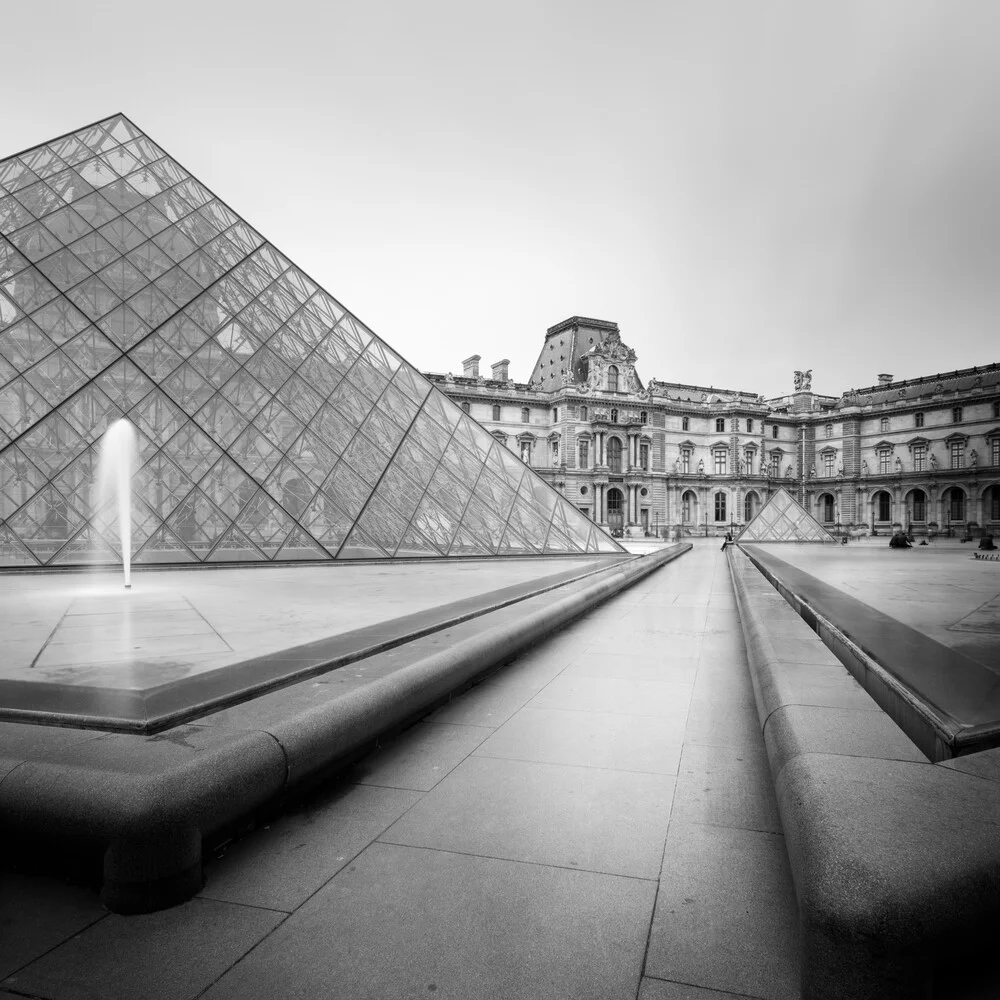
pixel 272 423
pixel 782 519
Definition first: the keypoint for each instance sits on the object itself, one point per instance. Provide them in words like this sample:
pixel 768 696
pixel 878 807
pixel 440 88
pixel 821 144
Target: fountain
pixel 119 453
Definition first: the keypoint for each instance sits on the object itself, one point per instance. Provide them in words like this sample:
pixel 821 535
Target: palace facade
pixel 666 457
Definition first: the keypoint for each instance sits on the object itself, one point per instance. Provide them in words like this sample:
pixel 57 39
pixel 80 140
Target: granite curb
pixel 895 860
pixel 147 802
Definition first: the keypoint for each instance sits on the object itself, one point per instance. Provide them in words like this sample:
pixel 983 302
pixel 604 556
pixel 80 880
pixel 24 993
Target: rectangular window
pixel 720 506
pixel 883 462
pixel 918 420
pixel 956 415
pixel 749 425
pixel 958 454
pixel 525 415
pixel 720 425
pixel 720 462
pixel 829 430
pixel 686 460
pixel 996 409
pixel 496 412
pixel 555 414
pixel 774 431
pixel 644 456
pixel 919 506
pixel 828 464
pixel 919 457
pixel 883 424
pixel 776 464
pixel 584 453
pixel 685 423
pixel 995 504
pixel 995 451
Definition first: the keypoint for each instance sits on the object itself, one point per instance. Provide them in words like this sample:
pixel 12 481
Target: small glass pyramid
pixel 783 519
pixel 272 423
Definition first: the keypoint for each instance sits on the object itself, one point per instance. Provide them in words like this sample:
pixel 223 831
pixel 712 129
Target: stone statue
pixel 899 464
pixel 864 468
pixel 973 458
pixel 803 381
pixel 933 462
pixel 739 466
pixel 812 471
pixel 788 471
pixel 840 470
pixel 677 466
pixel 701 466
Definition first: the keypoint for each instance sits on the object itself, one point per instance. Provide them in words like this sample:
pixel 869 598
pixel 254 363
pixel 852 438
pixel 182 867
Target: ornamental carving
pixel 803 380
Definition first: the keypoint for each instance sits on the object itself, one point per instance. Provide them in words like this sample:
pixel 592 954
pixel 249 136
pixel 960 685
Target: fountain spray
pixel 118 459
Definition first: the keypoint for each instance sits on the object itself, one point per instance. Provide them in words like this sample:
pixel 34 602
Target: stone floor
pixel 596 820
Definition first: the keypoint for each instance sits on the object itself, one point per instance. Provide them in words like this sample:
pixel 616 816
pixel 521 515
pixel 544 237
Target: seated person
pixel 986 542
pixel 899 541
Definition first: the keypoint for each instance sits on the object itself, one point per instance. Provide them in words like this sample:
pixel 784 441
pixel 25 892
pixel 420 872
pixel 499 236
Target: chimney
pixel 470 366
pixel 500 370
pixel 884 379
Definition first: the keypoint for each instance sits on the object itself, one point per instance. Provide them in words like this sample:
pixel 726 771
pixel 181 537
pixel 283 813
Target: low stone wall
pixel 896 860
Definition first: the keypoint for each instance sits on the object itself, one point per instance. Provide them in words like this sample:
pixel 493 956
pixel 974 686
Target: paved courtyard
pixel 595 820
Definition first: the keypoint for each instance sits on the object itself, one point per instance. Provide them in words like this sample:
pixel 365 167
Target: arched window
pixel 955 504
pixel 720 506
pixel 827 508
pixel 614 455
pixel 496 412
pixel 884 507
pixel 614 416
pixel 612 378
pixel 749 506
pixel 918 505
pixel 686 507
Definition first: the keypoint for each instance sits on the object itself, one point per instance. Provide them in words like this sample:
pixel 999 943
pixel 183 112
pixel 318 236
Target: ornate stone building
pixel 658 456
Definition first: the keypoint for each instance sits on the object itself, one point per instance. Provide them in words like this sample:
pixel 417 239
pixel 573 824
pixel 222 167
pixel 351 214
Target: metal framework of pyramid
pixel 783 519
pixel 272 423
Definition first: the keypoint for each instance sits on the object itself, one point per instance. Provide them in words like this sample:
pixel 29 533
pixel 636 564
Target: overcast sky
pixel 746 188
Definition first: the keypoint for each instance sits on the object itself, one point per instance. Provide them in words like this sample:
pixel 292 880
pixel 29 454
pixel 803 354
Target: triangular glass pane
pixel 13 552
pixel 299 546
pixel 265 523
pixel 20 480
pixel 467 544
pixel 88 547
pixel 163 546
pixel 359 546
pixel 234 546
pixel 326 522
pixel 381 523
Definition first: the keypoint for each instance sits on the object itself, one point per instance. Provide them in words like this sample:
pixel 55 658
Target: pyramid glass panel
pixel 272 423
pixel 782 519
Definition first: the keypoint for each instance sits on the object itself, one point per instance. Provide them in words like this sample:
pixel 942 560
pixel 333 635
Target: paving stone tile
pixel 723 723
pixel 283 864
pixel 663 666
pixel 723 684
pixel 663 699
pixel 726 787
pixel 420 757
pixel 170 955
pixel 37 913
pixel 660 989
pixel 575 817
pixel 488 704
pixel 726 917
pixel 402 923
pixel 588 739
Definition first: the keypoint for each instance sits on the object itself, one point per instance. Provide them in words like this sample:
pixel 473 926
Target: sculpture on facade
pixel 812 471
pixel 973 458
pixel 701 466
pixel 933 462
pixel 840 470
pixel 803 380
pixel 864 468
pixel 677 466
pixel 899 464
pixel 788 471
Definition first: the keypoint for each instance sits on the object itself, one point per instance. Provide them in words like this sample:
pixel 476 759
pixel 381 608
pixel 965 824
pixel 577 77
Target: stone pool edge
pixel 895 860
